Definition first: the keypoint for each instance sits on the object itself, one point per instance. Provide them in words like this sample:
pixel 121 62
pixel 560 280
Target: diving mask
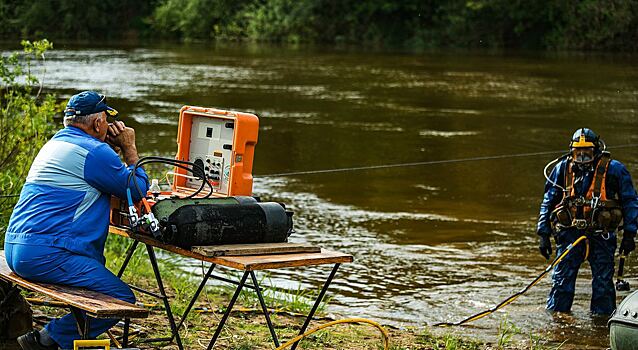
pixel 583 155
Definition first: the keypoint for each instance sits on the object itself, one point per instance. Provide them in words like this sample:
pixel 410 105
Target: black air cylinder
pixel 234 220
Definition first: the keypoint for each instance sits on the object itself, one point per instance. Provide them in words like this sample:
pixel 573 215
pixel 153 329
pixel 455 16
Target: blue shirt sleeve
pixel 105 171
pixel 553 195
pixel 627 195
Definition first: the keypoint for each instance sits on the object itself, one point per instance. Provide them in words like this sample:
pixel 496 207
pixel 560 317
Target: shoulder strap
pixel 599 176
pixel 569 178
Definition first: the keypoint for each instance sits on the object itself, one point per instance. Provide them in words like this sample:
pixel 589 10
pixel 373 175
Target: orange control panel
pixel 222 143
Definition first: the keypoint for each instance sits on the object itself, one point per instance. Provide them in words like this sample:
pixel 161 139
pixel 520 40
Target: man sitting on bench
pixel 58 228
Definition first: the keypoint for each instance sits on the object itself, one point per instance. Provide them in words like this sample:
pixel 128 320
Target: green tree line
pixel 533 24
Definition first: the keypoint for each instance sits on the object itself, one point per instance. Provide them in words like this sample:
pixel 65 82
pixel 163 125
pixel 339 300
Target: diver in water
pixel 587 193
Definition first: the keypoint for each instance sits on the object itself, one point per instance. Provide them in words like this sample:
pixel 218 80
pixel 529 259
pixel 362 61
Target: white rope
pixel 432 162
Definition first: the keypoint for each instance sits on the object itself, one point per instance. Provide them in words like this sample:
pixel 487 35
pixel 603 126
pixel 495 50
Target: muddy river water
pixel 431 242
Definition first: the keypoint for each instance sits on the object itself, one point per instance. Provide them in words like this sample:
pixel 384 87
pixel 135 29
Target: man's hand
pixel 121 136
pixel 545 246
pixel 115 128
pixel 627 245
pixel 109 141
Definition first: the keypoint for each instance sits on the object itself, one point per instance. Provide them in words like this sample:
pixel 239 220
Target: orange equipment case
pixel 223 142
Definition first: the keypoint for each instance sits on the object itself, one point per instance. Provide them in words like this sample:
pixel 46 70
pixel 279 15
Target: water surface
pixel 433 242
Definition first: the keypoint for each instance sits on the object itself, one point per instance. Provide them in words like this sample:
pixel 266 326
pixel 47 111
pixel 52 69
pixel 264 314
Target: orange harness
pixel 594 212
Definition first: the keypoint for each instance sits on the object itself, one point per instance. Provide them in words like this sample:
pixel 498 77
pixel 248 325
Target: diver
pixel 587 193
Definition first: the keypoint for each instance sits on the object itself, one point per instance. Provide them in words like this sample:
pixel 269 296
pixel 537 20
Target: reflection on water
pixel 431 243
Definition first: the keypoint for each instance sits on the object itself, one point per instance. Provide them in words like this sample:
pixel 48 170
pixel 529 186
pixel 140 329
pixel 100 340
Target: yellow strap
pixel 93 342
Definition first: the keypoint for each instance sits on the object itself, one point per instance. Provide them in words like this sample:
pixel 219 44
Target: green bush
pixel 26 121
pixel 199 19
pixel 413 24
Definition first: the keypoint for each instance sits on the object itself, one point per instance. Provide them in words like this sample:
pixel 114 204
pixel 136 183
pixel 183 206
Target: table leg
pixel 228 310
pixel 82 321
pixel 167 305
pixel 129 254
pixel 317 303
pixel 127 323
pixel 264 308
pixel 199 290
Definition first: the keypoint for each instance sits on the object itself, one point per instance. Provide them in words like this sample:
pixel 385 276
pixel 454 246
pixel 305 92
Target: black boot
pixel 31 341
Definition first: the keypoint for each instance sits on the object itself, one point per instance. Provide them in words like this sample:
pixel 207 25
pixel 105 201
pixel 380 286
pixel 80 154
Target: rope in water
pixel 431 162
pixel 522 291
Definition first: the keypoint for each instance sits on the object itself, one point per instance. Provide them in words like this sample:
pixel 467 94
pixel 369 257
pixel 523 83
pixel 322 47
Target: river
pixel 431 242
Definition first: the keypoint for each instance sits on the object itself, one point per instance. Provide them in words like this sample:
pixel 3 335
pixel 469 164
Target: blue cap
pixel 88 102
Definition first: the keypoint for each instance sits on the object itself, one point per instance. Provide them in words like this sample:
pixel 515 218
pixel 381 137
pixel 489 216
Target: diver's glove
pixel 545 246
pixel 627 245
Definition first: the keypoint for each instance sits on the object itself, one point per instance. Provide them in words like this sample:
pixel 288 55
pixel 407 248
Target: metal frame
pixel 317 303
pixel 264 308
pixel 194 298
pixel 162 295
pixel 82 321
pixel 209 274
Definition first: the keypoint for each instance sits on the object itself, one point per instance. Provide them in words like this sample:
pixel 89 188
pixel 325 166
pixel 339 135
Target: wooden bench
pixel 95 304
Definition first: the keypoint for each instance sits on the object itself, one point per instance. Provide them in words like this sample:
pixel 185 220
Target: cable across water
pixel 431 162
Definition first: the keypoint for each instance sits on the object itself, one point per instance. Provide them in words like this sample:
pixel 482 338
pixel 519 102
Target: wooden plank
pixel 255 249
pixel 253 262
pixel 276 261
pixel 95 304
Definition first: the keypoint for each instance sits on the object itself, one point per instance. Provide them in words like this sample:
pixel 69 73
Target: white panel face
pixel 210 131
pixel 211 144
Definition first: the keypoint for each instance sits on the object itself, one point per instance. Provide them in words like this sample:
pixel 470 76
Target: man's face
pixel 101 126
pixel 583 155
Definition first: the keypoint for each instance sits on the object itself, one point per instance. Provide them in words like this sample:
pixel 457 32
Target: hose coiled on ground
pixel 384 333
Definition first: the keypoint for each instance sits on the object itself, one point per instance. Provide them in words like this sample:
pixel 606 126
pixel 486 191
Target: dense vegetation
pixel 553 24
pixel 26 121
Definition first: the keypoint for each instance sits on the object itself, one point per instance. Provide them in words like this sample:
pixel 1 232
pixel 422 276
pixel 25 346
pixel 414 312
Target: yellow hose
pixel 386 337
pixel 518 294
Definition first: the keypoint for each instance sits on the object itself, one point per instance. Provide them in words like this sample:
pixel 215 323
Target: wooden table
pixel 248 264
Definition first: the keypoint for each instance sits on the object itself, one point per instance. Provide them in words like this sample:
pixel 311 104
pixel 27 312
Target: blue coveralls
pixel 58 228
pixel 618 184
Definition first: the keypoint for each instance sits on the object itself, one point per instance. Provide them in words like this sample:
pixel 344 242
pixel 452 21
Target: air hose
pixel 384 333
pixel 522 291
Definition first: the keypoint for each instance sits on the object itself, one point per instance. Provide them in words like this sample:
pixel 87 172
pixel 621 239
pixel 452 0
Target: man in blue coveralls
pixel 58 228
pixel 590 194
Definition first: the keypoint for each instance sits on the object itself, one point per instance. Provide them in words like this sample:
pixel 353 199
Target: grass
pixel 448 341
pixel 506 332
pixel 246 327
